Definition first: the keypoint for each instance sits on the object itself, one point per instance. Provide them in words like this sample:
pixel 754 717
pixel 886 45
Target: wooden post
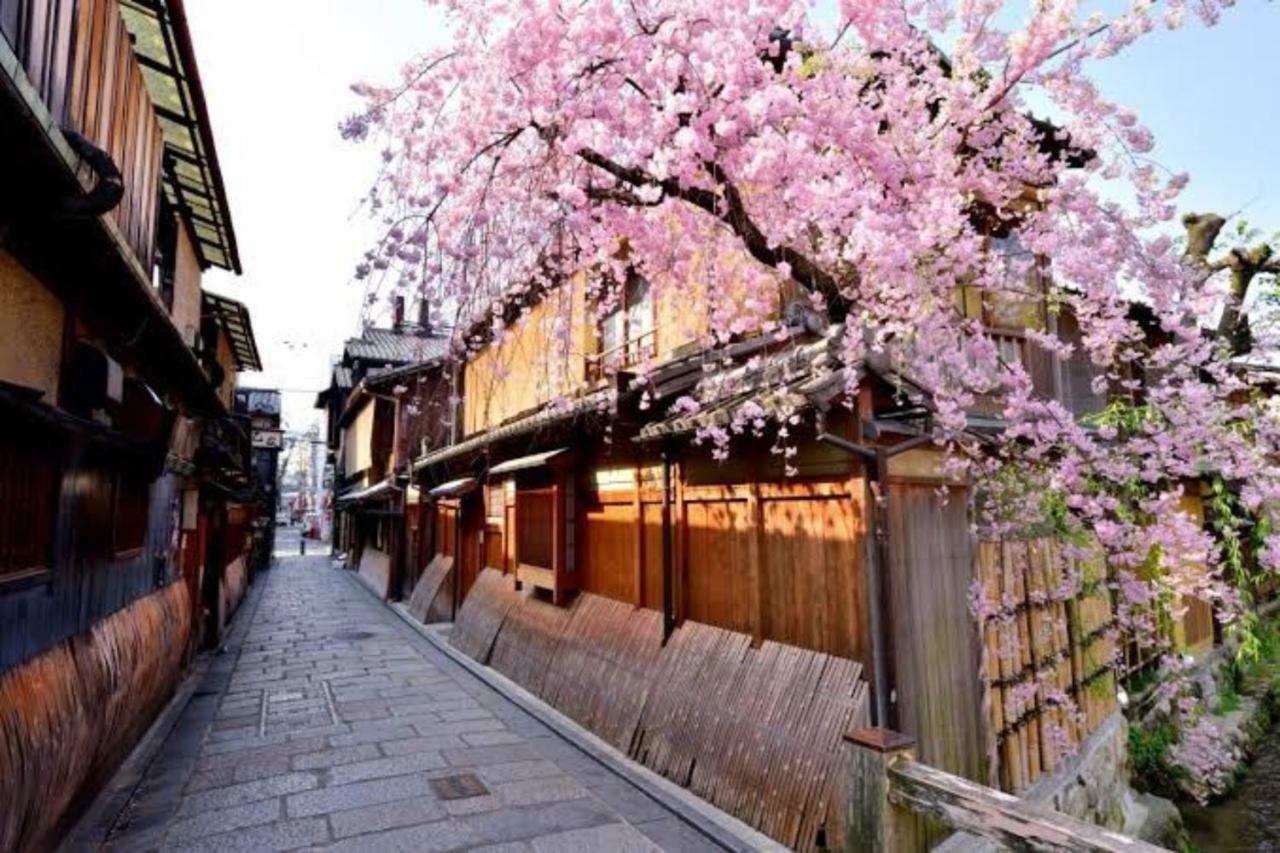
pixel 755 559
pixel 874 824
pixel 637 507
pixel 558 539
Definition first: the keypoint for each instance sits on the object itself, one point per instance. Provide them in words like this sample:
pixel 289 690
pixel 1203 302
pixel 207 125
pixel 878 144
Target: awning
pixel 453 488
pixel 233 317
pixel 378 490
pixel 193 180
pixel 601 402
pixel 536 460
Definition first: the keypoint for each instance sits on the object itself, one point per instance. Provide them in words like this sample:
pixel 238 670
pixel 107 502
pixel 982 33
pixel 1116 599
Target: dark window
pixel 30 473
pixel 133 503
pixel 164 267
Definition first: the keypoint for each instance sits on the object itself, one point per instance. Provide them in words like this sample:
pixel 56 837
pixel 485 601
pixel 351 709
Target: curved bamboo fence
pixel 69 715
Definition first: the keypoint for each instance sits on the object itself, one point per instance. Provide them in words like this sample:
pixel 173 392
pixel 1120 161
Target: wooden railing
pixel 892 792
pixel 627 354
pixel 79 56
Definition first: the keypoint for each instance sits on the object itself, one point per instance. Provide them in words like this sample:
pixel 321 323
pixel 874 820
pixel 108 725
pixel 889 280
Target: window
pixel 133 503
pixel 30 473
pixel 535 516
pixel 626 333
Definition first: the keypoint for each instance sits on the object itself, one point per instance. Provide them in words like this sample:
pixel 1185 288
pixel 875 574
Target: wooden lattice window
pixel 30 473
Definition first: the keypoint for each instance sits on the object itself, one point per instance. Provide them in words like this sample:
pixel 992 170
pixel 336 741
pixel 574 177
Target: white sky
pixel 276 75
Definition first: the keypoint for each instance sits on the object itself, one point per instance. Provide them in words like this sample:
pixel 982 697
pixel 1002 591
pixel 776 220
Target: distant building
pixel 262 408
pixel 388 399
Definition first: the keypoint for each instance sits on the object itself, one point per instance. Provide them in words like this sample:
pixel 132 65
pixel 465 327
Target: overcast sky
pixel 276 75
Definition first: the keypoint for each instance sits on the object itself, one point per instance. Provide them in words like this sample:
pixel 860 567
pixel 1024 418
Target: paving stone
pixel 386 816
pixel 530 792
pixel 408 715
pixel 247 792
pixel 422 744
pixel 615 837
pixel 373 736
pixel 502 826
pixel 336 756
pixel 285 835
pixel 491 738
pixel 477 756
pixel 381 768
pixel 342 797
pixel 516 771
pixel 224 820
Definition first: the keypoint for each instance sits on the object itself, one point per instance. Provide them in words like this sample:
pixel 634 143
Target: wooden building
pixel 388 399
pixel 262 408
pixel 123 473
pixel 725 621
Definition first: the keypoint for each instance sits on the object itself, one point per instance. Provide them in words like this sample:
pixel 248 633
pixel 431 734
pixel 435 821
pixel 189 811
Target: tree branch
pixel 730 209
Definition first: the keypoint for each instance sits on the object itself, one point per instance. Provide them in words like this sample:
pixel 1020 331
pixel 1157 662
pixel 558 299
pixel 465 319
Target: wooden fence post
pixel 874 824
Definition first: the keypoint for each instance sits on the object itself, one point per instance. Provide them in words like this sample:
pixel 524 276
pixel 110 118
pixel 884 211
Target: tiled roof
pixel 798 375
pixel 388 345
pixel 601 401
pixel 342 377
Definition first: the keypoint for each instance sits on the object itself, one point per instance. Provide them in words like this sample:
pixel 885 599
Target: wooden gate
pixel 934 640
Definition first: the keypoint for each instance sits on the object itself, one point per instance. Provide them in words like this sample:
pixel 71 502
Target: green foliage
pixel 1149 755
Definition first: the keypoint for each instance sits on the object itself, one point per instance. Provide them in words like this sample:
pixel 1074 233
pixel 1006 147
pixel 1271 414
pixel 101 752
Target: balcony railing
pixel 627 354
pixel 79 57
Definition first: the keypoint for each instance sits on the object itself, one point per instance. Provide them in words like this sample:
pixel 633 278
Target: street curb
pixel 723 828
pixel 94 827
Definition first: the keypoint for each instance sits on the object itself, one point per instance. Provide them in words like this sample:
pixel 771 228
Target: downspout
pixel 877 563
pixel 668 597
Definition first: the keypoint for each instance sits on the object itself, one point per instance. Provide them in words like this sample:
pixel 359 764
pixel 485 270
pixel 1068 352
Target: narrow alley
pixel 328 722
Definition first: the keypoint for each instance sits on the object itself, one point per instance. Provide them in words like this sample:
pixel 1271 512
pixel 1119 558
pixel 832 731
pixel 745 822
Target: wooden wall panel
pixel 652 581
pixel 717 587
pixel 609 550
pixel 934 637
pixel 814 590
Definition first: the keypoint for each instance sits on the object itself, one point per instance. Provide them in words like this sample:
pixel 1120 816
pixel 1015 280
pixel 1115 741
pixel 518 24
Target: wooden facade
pixel 585 495
pixel 124 480
pixel 79 56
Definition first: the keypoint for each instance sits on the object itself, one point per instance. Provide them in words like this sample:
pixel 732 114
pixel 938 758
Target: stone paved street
pixel 328 722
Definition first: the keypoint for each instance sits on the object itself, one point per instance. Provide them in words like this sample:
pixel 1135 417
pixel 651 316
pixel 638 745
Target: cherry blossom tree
pixel 867 156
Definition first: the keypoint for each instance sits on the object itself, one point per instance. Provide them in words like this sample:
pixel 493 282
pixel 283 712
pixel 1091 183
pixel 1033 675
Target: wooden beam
pixel 1001 817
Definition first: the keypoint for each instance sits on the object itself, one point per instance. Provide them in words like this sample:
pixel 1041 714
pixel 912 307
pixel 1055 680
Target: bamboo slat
pixel 755 731
pixel 425 604
pixel 482 614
